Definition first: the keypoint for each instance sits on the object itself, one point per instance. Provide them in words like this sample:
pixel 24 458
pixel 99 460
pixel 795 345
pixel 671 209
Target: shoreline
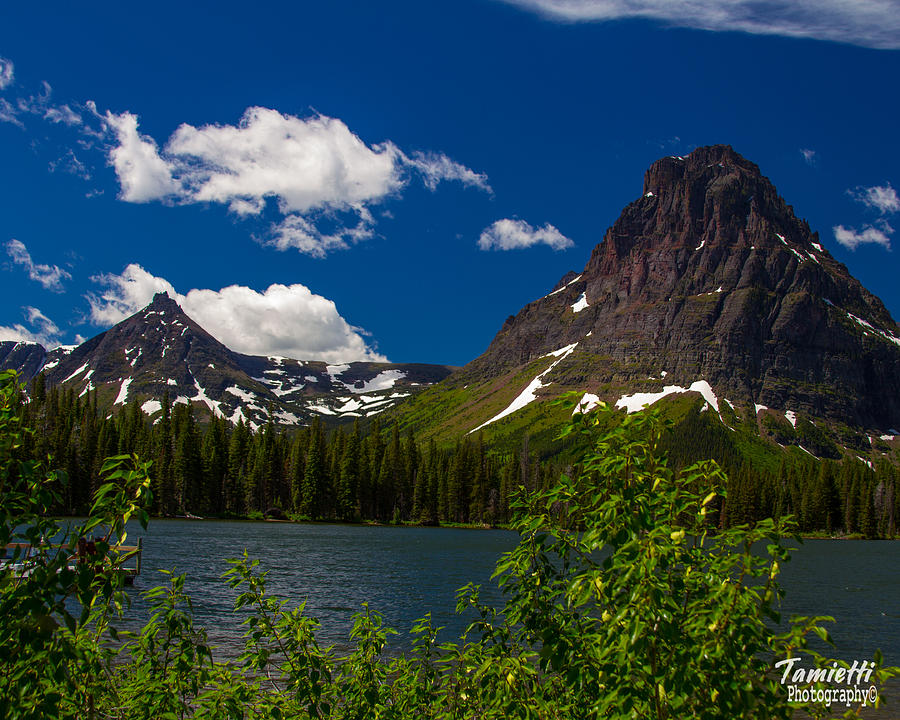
pixel 454 526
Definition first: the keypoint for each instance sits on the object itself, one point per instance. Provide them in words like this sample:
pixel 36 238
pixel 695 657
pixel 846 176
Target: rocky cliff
pixel 709 275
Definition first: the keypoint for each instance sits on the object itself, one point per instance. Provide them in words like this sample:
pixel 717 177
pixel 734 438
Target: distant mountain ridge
pixel 707 281
pixel 160 350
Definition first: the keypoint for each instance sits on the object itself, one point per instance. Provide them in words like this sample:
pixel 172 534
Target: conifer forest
pixel 378 474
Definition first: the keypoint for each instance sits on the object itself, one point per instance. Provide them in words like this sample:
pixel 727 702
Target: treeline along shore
pixel 376 473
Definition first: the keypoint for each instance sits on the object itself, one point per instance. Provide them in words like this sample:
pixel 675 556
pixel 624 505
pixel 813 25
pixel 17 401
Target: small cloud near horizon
pixel 508 234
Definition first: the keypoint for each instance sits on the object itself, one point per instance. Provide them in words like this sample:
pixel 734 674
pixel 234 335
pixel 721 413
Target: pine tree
pixel 234 492
pixel 314 473
pixel 348 482
pixel 297 469
pixel 188 465
pixel 214 451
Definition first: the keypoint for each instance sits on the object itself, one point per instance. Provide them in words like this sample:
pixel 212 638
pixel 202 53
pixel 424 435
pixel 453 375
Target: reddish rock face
pixel 710 275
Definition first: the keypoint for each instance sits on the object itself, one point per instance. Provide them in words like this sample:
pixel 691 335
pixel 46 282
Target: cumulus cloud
pixel 288 320
pixel 142 173
pixel 6 73
pixel 315 169
pixel 852 239
pixel 295 231
pixel 509 234
pixel 43 331
pixel 870 23
pixel 50 276
pixel 809 156
pixel 881 198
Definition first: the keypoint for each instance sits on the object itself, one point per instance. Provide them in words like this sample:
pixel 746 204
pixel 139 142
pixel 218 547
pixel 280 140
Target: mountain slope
pixel 160 351
pixel 708 281
pixel 25 358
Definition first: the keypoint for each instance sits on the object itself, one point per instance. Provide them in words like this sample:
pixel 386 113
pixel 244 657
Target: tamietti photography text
pixel 833 685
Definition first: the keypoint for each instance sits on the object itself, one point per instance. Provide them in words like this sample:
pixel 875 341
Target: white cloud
pixel 143 174
pixel 509 234
pixel 871 23
pixel 295 231
pixel 45 330
pixel 286 320
pixel 6 73
pixel 125 294
pixel 306 164
pixel 314 169
pixel 62 114
pixel 809 156
pixel 436 168
pixel 50 276
pixel 8 113
pixel 851 239
pixel 882 198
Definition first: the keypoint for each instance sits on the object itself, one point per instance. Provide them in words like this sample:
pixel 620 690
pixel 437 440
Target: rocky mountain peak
pixel 712 199
pixel 163 303
pixel 710 276
pixel 669 172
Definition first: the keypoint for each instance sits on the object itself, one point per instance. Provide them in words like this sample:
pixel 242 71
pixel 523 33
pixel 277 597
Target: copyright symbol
pixel 873 695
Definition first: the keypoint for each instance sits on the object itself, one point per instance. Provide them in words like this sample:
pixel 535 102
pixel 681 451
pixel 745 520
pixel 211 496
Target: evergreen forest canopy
pixel 375 474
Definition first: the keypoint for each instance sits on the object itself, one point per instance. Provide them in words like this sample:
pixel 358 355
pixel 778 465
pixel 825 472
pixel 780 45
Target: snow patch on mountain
pixel 201 396
pixel 238 415
pixel 528 394
pixel 77 372
pixel 587 403
pixel 559 290
pixel 245 395
pixel 123 392
pixel 151 406
pixel 636 402
pixel 335 370
pixel 320 408
pixel 580 304
pixel 287 417
pixel 890 337
pixel 384 380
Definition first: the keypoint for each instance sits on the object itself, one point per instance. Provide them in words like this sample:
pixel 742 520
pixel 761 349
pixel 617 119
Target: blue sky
pixel 353 180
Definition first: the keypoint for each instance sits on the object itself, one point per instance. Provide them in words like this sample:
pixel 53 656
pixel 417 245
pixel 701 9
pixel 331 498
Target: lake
pixel 405 572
